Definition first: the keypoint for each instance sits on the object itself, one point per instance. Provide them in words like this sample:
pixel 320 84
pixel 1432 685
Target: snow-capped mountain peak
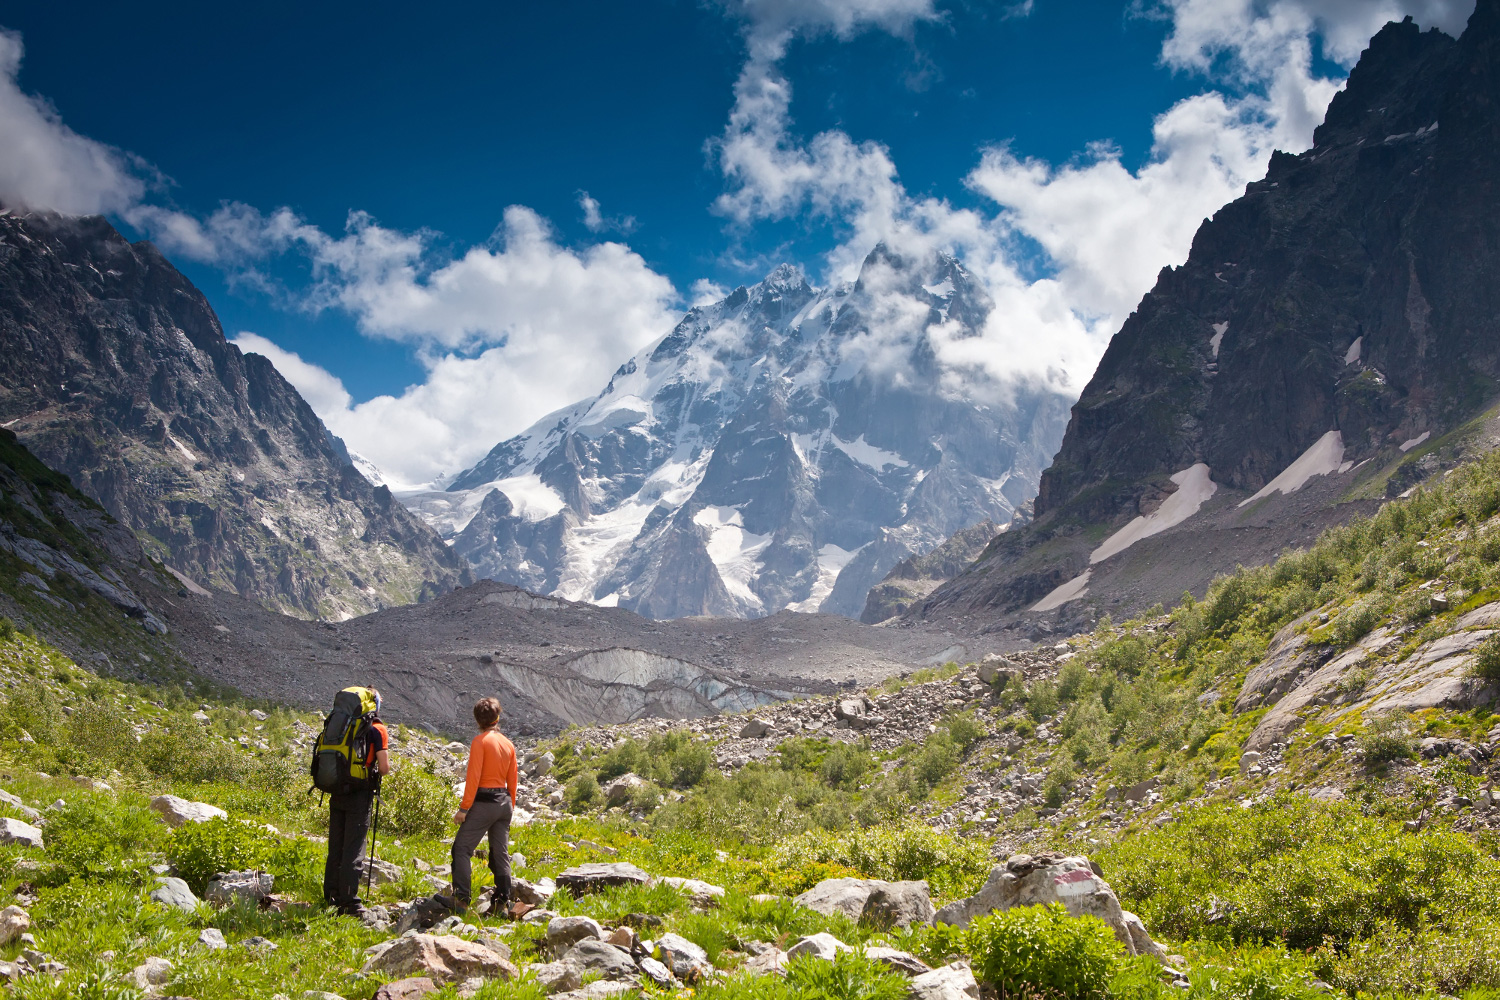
pixel 780 448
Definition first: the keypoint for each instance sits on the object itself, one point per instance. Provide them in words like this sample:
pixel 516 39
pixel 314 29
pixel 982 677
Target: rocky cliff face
pixel 114 370
pixel 782 448
pixel 1336 320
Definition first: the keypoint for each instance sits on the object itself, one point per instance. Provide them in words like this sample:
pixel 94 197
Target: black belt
pixel 492 795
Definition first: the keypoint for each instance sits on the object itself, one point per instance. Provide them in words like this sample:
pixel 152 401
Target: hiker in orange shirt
pixel 489 799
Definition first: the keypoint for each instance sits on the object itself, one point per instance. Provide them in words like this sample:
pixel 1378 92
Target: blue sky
pixel 1066 150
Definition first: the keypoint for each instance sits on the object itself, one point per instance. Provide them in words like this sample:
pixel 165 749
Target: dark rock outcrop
pixel 114 371
pixel 1350 300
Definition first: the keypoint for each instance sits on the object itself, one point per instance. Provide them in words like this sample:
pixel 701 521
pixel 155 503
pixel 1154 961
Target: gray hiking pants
pixel 348 823
pixel 484 818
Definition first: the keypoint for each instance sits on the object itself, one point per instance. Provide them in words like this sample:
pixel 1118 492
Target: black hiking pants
pixel 348 826
pixel 492 818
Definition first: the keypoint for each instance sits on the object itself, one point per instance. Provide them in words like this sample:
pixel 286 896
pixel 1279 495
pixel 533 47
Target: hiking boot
pixel 455 903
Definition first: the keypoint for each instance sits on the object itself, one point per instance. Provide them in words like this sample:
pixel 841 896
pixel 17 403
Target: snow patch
pixel 831 562
pixel 1070 591
pixel 1194 486
pixel 734 550
pixel 1326 456
pixel 1218 338
pixel 1409 445
pixel 182 448
pixel 941 290
pixel 595 546
pixel 1352 354
pixel 867 454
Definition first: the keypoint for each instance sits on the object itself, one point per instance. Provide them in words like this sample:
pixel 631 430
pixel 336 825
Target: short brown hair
pixel 487 712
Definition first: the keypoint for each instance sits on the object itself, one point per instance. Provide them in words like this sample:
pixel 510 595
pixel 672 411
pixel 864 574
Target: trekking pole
pixel 374 828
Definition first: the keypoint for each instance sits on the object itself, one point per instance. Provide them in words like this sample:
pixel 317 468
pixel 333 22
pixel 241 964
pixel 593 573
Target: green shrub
pixel 415 802
pixel 97 837
pixel 690 764
pixel 1354 623
pixel 937 759
pixel 183 750
pixel 965 730
pixel 199 851
pixel 583 794
pixel 851 976
pixel 951 865
pixel 1386 739
pixel 1041 700
pixel 1298 872
pixel 100 738
pixel 1486 663
pixel 1042 951
pixel 35 710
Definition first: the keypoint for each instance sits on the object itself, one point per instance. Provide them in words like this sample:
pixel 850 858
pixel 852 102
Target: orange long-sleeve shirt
pixel 492 764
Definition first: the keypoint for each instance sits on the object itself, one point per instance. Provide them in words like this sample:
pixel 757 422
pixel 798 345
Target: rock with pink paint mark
pixel 1027 880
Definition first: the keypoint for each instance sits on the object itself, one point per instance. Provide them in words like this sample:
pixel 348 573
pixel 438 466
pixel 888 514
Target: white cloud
pixel 45 164
pixel 506 333
pixel 595 221
pixel 1106 231
pixel 706 292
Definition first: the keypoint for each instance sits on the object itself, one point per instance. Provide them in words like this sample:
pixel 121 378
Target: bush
pixel 96 837
pixel 1386 739
pixel 415 803
pixel 199 851
pixel 1041 950
pixel 183 750
pixel 1298 872
pixel 1486 663
pixel 937 759
pixel 583 794
pixel 845 766
pixel 965 730
pixel 951 865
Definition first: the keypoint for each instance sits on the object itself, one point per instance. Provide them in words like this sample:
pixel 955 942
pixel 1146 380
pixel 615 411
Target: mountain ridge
pixel 115 371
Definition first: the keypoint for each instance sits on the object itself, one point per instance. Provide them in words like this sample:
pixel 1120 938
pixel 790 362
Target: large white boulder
pixel 1027 880
pixel 179 811
pixel 13 831
pixel 839 895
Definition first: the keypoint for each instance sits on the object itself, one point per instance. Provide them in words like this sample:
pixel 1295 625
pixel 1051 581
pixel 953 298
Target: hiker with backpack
pixel 349 758
pixel 488 804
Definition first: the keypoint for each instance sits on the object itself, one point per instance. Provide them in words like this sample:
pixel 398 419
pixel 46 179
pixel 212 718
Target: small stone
pixel 174 892
pixel 406 989
pixel 950 982
pixel 655 971
pixel 755 729
pixel 592 877
pixel 13 831
pixel 152 972
pixel 564 932
pixel 14 922
pixel 212 938
pixel 259 943
pixel 226 888
pixel 821 945
pixel 179 811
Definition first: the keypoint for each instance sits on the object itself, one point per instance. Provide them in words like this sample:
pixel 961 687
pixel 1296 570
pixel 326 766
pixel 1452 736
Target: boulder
pixel 903 962
pixel 377 872
pixel 898 904
pixel 1050 878
pixel 703 895
pixel 772 961
pixel 839 895
pixel 820 945
pixel 655 971
pixel 594 956
pixel 685 959
pixel 755 729
pixel 14 922
pixel 406 989
pixel 442 958
pixel 564 932
pixel 13 831
pixel 617 791
pixel 557 977
pixel 212 938
pixel 19 806
pixel 602 989
pixel 532 893
pixel 541 766
pixel 996 671
pixel 179 811
pixel 1249 759
pixel 949 982
pixel 592 877
pixel 150 973
pixel 174 892
pixel 227 888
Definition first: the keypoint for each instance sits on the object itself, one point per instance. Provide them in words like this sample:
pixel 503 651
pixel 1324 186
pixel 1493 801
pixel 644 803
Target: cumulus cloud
pixel 45 164
pixel 506 332
pixel 595 221
pixel 1104 230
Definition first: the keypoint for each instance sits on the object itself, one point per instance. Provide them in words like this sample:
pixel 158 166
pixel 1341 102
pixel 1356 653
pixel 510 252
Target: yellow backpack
pixel 342 762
